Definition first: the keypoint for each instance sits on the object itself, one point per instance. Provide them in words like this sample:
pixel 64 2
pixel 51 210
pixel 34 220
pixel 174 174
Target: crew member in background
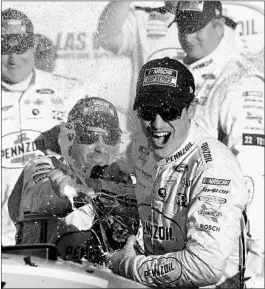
pixel 33 101
pixel 143 33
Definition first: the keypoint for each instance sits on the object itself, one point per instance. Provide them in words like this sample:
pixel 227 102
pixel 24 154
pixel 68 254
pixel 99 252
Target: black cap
pixel 164 81
pixel 192 16
pixel 17 33
pixel 96 112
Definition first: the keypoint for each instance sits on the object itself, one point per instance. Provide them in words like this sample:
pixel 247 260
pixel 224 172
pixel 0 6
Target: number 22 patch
pixel 253 139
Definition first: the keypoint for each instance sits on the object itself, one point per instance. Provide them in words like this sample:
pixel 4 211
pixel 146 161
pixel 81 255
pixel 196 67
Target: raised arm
pixel 111 23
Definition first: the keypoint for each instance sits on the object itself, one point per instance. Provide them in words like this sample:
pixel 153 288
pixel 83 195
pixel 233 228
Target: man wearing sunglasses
pixel 91 138
pixel 33 101
pixel 190 191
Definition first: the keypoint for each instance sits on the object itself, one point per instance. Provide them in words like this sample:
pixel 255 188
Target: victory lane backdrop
pixel 72 26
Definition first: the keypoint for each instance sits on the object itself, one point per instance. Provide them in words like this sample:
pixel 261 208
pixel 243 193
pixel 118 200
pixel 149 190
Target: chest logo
pixel 162 192
pixel 45 91
pixel 182 200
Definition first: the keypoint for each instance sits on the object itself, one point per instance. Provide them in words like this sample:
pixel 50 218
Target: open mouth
pixel 160 138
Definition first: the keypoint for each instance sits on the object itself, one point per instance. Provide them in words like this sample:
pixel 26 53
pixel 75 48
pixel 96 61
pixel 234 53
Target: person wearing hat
pixel 33 101
pixel 144 31
pixel 230 91
pixel 45 54
pixel 89 139
pixel 190 191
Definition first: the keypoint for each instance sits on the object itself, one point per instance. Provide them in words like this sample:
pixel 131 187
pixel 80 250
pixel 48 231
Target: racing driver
pixel 230 91
pixel 33 101
pixel 191 193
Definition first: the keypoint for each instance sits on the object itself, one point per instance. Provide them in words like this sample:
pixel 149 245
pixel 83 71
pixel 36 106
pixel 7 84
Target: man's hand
pixel 120 172
pixel 171 6
pixel 127 251
pixel 61 180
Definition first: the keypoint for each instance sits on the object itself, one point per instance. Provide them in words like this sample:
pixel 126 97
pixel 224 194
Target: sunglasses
pixel 91 137
pixel 149 113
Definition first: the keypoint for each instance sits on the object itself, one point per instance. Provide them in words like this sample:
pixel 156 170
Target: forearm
pixel 111 22
pixel 183 268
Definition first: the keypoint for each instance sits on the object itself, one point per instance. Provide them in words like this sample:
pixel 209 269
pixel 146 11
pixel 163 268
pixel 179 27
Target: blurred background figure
pixel 45 54
pixel 144 31
pixel 33 101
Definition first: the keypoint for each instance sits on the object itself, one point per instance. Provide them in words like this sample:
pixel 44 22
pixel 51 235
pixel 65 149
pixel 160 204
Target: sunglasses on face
pixel 91 137
pixel 149 113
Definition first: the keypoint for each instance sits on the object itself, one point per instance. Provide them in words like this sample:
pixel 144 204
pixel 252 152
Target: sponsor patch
pixel 215 182
pixel 215 190
pixel 212 199
pixel 35 111
pixel 208 76
pixel 98 105
pixel 40 177
pixel 206 152
pixel 253 93
pixel 13 26
pixel 203 65
pixel 179 154
pixel 45 91
pixel 185 182
pixel 210 213
pixel 76 245
pixel 158 267
pixel 182 200
pixel 162 192
pixel 146 175
pixel 59 115
pixel 44 169
pixel 191 6
pixel 182 168
pixel 38 102
pixel 206 227
pixel 257 117
pixel 160 76
pixel 162 233
pixel 143 154
pixel 253 139
pixel 171 179
pixel 20 147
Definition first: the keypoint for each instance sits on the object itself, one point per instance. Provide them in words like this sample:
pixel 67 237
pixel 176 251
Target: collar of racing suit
pixel 21 86
pixel 185 147
pixel 222 54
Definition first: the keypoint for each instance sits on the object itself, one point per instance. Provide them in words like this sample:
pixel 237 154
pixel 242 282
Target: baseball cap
pixel 162 82
pixel 95 112
pixel 17 33
pixel 192 16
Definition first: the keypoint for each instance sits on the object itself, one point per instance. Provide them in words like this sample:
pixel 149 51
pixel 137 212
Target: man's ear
pixel 219 25
pixel 192 108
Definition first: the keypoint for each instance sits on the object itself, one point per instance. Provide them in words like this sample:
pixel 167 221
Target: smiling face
pixel 165 137
pixel 202 42
pixel 16 67
pixel 94 148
